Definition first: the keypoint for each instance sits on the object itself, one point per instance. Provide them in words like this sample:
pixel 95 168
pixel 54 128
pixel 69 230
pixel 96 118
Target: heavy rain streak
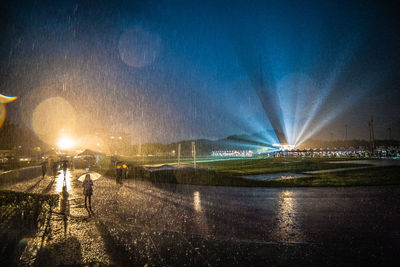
pixel 199 133
pixel 138 69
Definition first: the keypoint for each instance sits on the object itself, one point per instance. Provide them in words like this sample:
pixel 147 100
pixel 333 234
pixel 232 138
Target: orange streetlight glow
pixel 65 142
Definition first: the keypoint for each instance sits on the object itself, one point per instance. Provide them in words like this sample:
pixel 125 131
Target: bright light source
pixel 287 147
pixel 284 147
pixel 65 143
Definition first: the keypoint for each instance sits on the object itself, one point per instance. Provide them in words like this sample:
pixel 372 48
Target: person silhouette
pixel 88 190
pixel 44 169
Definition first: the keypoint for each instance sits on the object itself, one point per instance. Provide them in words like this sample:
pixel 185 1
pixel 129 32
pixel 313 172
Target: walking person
pixel 55 169
pixel 65 167
pixel 118 177
pixel 88 191
pixel 44 169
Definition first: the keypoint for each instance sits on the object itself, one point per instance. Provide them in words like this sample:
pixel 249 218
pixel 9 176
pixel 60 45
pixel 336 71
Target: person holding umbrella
pixel 88 190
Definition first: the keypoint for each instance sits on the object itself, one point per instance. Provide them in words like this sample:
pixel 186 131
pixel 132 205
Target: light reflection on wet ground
pixel 287 227
pixel 309 219
pixel 197 201
pixel 269 215
pixel 145 222
pixel 63 179
pixel 70 237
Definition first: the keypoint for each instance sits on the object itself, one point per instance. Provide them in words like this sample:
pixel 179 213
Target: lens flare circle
pixel 139 48
pixel 51 116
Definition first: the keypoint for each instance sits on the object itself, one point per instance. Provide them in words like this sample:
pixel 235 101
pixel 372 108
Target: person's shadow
pixel 89 211
pixel 66 252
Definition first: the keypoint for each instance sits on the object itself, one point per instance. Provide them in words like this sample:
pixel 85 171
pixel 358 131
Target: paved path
pixel 140 223
pixel 71 235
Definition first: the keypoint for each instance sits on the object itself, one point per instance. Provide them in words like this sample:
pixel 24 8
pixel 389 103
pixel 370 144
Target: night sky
pixel 172 70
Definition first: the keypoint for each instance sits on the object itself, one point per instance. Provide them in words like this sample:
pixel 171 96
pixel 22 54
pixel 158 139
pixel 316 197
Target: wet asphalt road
pixel 264 215
pixel 360 224
pixel 141 223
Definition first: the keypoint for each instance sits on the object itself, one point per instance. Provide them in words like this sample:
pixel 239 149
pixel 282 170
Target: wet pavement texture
pixel 140 223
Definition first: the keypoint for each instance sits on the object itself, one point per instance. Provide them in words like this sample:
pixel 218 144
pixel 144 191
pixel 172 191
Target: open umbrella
pixel 93 176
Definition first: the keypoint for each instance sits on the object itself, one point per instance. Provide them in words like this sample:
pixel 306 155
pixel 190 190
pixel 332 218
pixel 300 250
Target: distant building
pixel 232 153
pixel 91 154
pixel 51 154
